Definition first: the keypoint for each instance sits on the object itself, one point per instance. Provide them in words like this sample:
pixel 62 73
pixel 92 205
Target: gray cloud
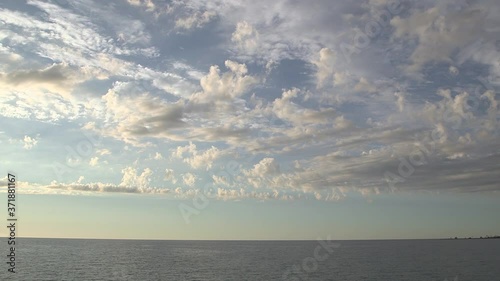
pixel 52 74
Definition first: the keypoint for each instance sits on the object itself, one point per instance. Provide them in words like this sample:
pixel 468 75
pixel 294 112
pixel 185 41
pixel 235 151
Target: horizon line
pixel 252 240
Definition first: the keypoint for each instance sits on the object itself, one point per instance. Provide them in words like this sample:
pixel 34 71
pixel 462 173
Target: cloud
pixel 334 76
pixel 453 70
pixel 204 159
pixel 441 29
pixel 94 161
pixel 196 20
pixel 262 173
pixel 132 178
pixel 79 188
pixel 8 56
pixel 267 166
pixel 400 101
pixel 179 152
pixel 57 78
pixel 148 4
pixel 227 133
pixel 220 180
pixel 225 87
pixel 131 117
pixel 106 188
pixel 285 109
pixel 51 74
pixel 170 176
pixel 30 142
pixel 239 194
pixel 324 66
pixel 246 37
pixel 195 158
pixel 365 86
pixel 189 179
pixel 103 151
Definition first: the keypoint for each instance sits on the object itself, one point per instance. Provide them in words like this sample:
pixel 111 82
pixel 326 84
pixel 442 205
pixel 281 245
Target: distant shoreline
pixel 467 238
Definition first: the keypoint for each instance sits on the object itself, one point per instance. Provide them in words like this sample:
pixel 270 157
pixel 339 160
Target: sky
pixel 235 119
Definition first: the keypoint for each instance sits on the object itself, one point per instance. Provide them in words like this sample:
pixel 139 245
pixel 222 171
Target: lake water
pixel 412 260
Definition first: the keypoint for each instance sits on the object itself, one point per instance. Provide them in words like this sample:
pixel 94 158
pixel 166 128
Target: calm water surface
pixel 412 260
